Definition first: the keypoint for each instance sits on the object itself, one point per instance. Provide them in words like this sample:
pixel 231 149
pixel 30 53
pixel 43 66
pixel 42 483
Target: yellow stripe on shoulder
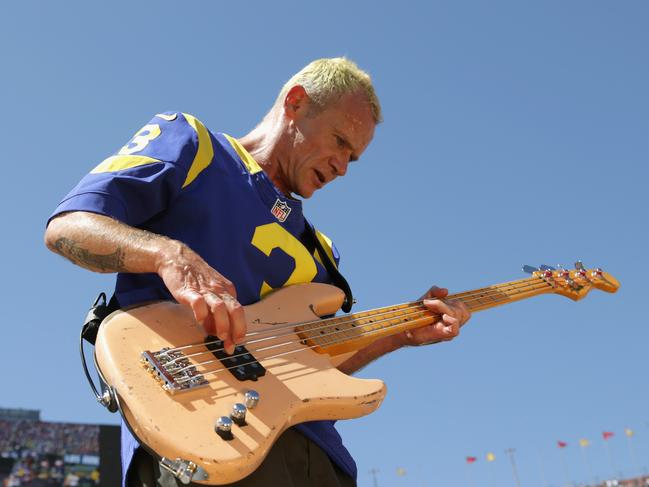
pixel 251 165
pixel 119 163
pixel 205 152
pixel 327 245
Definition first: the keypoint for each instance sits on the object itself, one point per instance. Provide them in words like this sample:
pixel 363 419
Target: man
pixel 213 222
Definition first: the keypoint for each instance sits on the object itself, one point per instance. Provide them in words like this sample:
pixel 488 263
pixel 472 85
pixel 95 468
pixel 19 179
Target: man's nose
pixel 339 164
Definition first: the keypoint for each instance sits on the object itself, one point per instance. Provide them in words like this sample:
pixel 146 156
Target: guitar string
pixel 341 320
pixel 296 350
pixel 416 306
pixel 362 334
pixel 483 292
pixel 341 340
pixel 417 310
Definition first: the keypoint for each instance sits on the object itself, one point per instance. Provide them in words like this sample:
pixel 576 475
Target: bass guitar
pixel 211 417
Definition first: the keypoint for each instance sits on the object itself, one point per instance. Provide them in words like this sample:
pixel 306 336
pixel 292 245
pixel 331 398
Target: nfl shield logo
pixel 280 210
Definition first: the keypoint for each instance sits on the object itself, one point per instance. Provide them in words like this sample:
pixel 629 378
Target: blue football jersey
pixel 176 178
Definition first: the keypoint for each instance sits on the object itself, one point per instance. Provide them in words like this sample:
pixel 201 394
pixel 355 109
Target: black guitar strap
pixel 338 279
pixel 99 310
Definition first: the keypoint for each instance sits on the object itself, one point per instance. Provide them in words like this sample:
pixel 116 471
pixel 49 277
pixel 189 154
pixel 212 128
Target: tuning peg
pixel 579 265
pixel 547 268
pixel 529 269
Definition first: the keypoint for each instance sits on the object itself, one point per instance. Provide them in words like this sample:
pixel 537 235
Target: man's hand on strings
pixel 211 297
pixel 452 316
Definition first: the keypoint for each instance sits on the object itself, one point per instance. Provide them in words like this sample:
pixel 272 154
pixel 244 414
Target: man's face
pixel 325 142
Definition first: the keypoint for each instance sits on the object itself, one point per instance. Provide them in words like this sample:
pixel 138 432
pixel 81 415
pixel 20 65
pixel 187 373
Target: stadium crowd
pixel 39 449
pixel 53 438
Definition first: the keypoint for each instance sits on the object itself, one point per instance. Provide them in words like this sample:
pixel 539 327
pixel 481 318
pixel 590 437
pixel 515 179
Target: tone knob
pixel 251 399
pixel 238 413
pixel 223 427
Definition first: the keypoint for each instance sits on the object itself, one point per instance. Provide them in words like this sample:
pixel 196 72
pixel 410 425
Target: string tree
pixel 530 269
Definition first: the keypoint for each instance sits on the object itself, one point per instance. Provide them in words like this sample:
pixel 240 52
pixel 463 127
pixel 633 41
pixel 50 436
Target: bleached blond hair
pixel 326 80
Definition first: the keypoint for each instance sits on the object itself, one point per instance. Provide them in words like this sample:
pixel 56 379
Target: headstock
pixel 576 283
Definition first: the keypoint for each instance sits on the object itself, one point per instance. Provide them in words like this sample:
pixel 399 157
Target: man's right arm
pixel 102 244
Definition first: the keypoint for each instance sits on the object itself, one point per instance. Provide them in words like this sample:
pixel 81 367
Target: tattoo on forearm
pixel 102 262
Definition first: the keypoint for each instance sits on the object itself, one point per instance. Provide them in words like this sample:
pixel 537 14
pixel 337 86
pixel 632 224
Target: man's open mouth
pixel 321 177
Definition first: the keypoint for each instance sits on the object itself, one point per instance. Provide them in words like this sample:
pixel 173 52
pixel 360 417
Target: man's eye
pixel 340 141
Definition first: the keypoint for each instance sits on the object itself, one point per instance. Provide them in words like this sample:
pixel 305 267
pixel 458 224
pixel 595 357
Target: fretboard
pixel 351 332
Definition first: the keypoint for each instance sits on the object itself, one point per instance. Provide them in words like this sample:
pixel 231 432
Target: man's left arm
pixel 452 316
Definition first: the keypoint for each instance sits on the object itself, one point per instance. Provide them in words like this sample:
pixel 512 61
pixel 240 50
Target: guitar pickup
pixel 241 363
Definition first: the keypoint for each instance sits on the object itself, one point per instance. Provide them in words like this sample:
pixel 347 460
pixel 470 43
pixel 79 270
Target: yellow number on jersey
pixel 273 235
pixel 141 139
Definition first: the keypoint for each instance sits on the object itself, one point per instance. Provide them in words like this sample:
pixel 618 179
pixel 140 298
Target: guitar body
pixel 172 399
pixel 299 386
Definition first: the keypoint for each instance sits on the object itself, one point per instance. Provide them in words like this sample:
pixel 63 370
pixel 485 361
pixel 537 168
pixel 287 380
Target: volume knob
pixel 238 413
pixel 223 427
pixel 251 398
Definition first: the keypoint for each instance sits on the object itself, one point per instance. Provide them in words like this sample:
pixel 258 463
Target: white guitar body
pixel 300 386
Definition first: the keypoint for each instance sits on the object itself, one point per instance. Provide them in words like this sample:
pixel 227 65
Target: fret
pixel 351 332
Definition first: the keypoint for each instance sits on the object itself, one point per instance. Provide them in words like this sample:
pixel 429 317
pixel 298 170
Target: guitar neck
pixel 352 332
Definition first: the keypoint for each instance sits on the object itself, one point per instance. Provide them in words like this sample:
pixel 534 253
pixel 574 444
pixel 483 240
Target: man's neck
pixel 265 144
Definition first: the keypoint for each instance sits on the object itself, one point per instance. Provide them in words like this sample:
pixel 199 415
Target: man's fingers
pixel 451 316
pixel 451 326
pixel 217 285
pixel 461 311
pixel 450 320
pixel 230 289
pixel 196 302
pixel 452 308
pixel 221 318
pixel 237 318
pixel 439 307
pixel 436 292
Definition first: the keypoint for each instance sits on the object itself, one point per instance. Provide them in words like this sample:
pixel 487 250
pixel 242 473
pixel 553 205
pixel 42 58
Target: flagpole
pixel 542 469
pixel 491 458
pixel 510 453
pixel 565 467
pixel 373 472
pixel 634 458
pixel 607 435
pixel 469 479
pixel 589 468
pixel 610 459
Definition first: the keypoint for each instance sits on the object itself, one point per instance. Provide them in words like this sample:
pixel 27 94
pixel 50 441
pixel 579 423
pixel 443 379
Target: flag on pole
pixel 470 459
pixel 562 444
pixel 607 434
pixel 491 457
pixel 584 443
pixel 628 432
pixel 401 471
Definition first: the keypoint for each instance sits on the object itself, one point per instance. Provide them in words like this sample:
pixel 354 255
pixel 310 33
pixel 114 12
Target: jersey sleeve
pixel 146 174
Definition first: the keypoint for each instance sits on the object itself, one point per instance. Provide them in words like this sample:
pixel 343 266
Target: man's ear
pixel 296 102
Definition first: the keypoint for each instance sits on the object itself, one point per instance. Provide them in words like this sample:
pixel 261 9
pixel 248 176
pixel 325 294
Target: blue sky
pixel 515 133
